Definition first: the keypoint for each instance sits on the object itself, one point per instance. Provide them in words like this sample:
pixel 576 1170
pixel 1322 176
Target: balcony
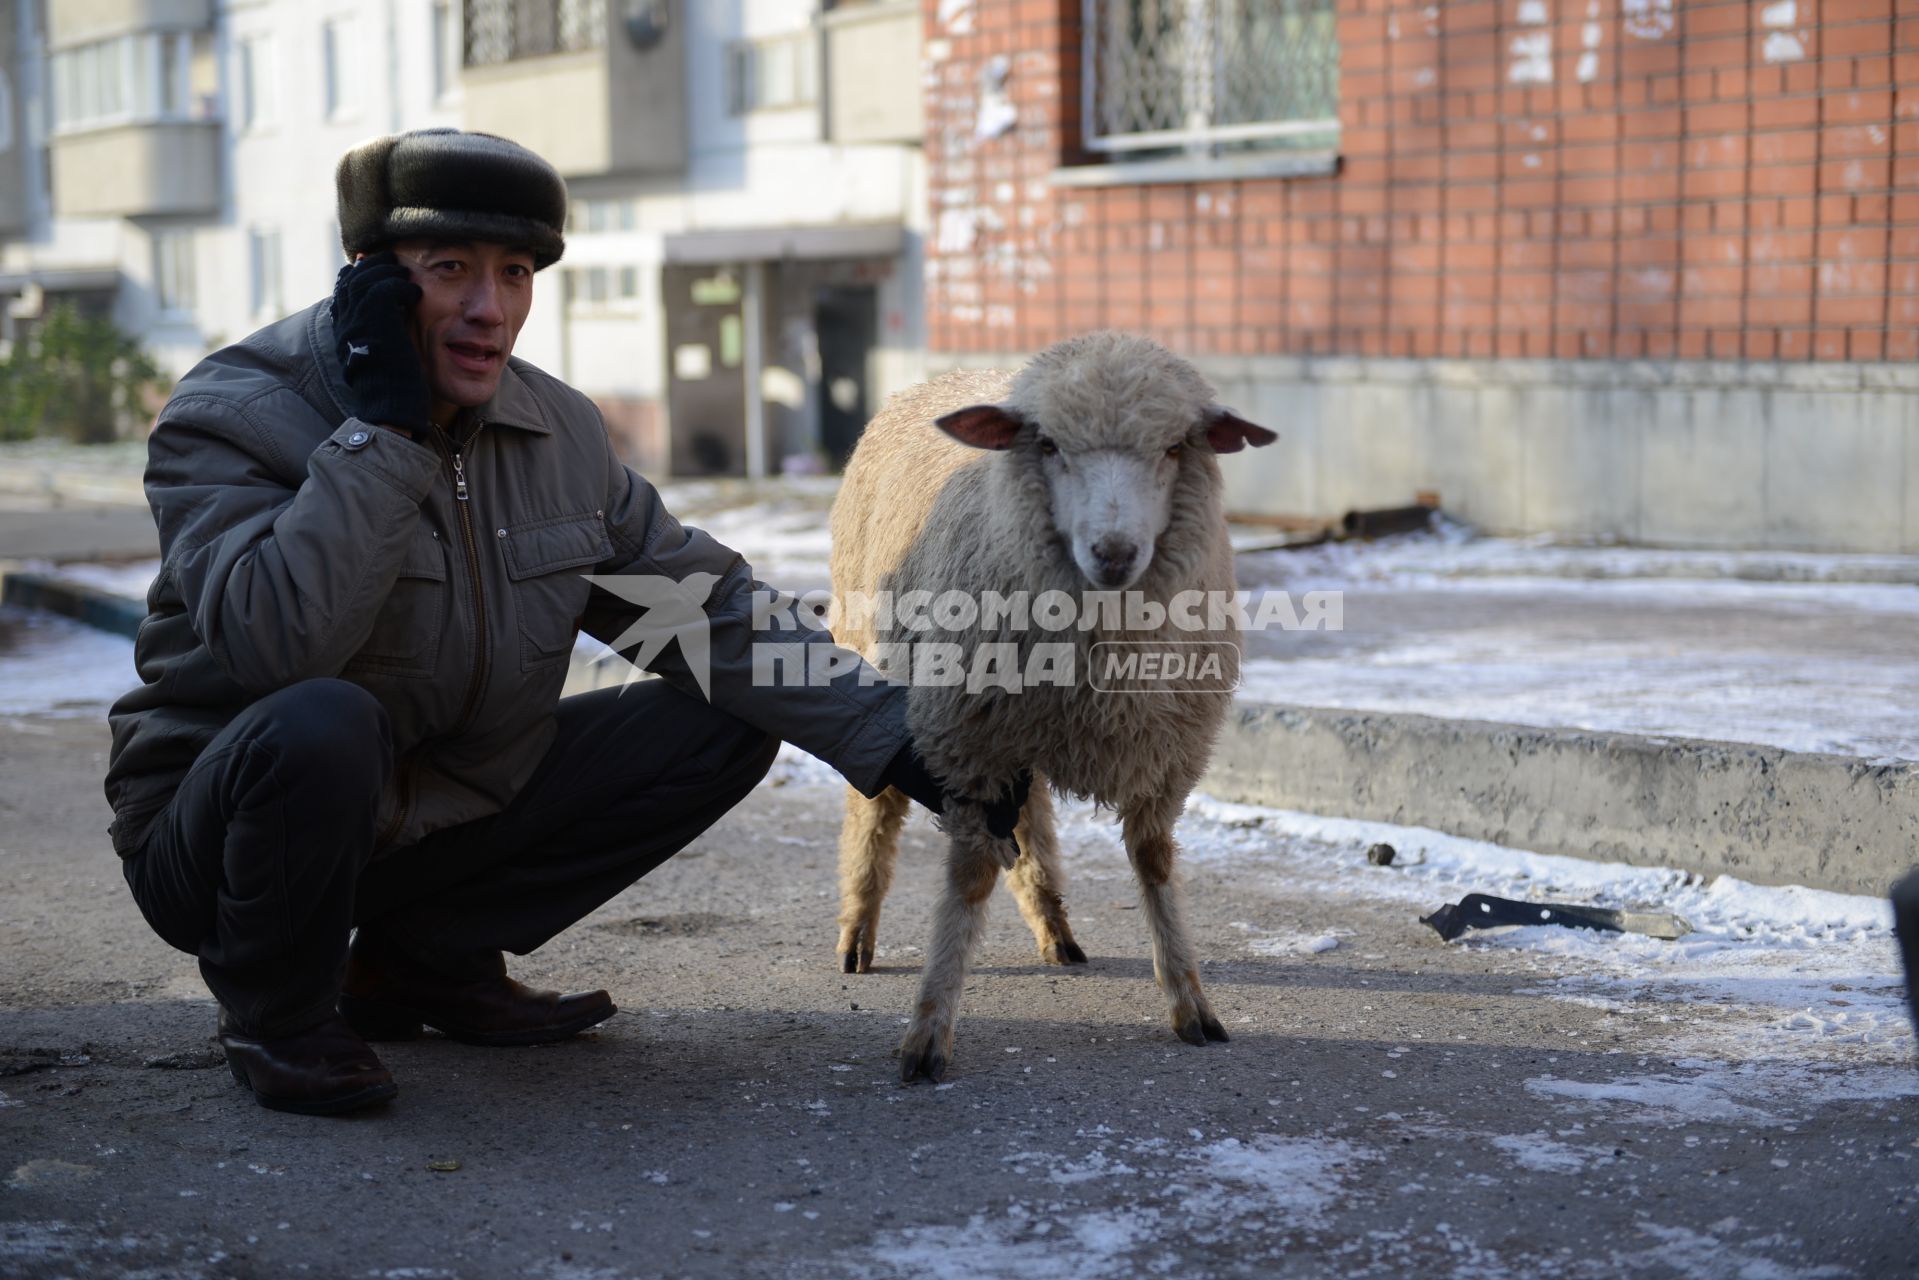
pixel 873 76
pixel 597 88
pixel 78 21
pixel 137 170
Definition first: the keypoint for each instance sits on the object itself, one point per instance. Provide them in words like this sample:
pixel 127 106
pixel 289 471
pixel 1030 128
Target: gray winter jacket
pixel 299 542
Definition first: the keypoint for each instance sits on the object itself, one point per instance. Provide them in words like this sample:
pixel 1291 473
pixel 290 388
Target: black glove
pixel 907 772
pixel 373 302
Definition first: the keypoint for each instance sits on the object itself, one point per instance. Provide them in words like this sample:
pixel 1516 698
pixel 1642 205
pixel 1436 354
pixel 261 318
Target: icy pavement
pixel 52 666
pixel 1818 665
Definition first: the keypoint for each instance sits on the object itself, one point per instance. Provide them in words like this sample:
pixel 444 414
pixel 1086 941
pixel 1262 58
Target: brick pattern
pixel 1610 179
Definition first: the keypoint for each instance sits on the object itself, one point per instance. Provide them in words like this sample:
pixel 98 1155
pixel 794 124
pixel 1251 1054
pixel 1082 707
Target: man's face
pixel 475 295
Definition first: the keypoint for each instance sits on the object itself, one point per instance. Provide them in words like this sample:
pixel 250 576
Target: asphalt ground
pixel 1389 1106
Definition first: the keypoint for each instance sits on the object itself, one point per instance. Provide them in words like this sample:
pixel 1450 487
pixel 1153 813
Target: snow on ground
pixel 1453 550
pixel 1776 974
pixel 1802 652
pixel 50 665
pixel 129 580
pixel 1636 684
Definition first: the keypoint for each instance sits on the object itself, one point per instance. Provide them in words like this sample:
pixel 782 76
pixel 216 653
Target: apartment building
pixel 1645 269
pixel 172 162
pixel 743 276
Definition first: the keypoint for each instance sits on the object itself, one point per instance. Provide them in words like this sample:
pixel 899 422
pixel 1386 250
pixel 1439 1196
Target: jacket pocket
pixel 405 640
pixel 546 560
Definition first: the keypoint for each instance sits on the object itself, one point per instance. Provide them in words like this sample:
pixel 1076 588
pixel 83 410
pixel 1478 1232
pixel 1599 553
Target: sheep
pixel 1092 470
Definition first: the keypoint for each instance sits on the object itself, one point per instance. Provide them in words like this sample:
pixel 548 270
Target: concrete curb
pixel 1760 813
pixel 76 600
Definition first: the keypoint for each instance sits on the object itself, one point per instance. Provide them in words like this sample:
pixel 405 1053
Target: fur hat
pixel 450 184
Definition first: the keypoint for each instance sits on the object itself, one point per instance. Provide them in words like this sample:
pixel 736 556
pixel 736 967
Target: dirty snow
pixel 1255 1191
pixel 1785 972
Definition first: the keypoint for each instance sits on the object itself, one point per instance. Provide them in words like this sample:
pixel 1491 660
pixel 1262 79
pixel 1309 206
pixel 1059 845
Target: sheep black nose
pixel 1113 557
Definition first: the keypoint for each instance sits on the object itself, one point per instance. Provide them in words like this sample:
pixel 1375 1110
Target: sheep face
pixel 1101 429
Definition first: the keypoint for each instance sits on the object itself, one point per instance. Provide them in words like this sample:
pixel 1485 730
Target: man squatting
pixel 348 782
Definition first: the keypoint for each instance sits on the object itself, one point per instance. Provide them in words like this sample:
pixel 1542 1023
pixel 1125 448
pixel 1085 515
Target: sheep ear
pixel 1227 432
pixel 983 426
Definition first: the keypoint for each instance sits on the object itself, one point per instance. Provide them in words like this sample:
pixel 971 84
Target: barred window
pixel 1210 75
pixel 506 30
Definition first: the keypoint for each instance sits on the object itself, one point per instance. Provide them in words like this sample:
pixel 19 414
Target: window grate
pixel 1202 75
pixel 507 30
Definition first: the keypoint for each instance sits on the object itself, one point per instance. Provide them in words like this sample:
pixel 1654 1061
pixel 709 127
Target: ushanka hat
pixel 449 184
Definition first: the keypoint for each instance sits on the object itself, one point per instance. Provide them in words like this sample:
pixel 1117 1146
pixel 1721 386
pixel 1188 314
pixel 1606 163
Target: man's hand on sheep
pixel 908 774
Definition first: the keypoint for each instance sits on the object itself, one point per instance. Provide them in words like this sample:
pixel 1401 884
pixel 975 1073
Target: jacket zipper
pixel 476 685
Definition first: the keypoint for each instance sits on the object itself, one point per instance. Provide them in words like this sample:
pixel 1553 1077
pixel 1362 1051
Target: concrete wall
pixel 138 170
pixel 1788 457
pixel 1677 453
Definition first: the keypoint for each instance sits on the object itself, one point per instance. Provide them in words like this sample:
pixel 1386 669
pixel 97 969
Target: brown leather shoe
pixel 322 1071
pixel 388 995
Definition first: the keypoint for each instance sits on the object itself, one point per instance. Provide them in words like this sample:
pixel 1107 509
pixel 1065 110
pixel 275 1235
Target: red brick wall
pixel 1689 190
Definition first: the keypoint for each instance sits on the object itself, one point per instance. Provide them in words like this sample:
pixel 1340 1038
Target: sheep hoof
pixel 1067 952
pixel 927 1061
pixel 1198 1027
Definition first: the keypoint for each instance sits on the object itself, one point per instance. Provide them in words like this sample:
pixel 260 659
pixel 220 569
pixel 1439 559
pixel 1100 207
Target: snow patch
pixel 1532 58
pixel 1541 1154
pixel 1782 46
pixel 1648 19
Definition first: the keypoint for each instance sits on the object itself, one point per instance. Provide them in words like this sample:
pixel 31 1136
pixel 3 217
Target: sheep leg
pixel 869 846
pixel 1037 882
pixel 1150 846
pixel 958 922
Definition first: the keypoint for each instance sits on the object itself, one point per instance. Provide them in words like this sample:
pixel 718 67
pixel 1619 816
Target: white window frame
pixel 255 84
pixel 175 282
pixel 264 259
pixel 448 48
pixel 123 80
pixel 746 64
pixel 339 85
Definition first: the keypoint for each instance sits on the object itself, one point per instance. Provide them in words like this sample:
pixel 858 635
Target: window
pixel 769 74
pixel 1202 76
pixel 263 251
pixel 603 215
pixel 339 92
pixel 6 112
pixel 132 79
pixel 602 288
pixel 446 49
pixel 506 30
pixel 254 82
pixel 173 280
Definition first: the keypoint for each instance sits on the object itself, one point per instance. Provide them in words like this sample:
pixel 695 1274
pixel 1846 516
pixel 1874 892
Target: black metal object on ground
pixel 1483 911
pixel 1377 524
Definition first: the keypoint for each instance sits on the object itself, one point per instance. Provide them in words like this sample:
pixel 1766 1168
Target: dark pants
pixel 262 863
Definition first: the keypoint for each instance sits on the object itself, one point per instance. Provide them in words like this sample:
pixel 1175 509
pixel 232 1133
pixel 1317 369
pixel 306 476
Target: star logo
pixel 675 610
